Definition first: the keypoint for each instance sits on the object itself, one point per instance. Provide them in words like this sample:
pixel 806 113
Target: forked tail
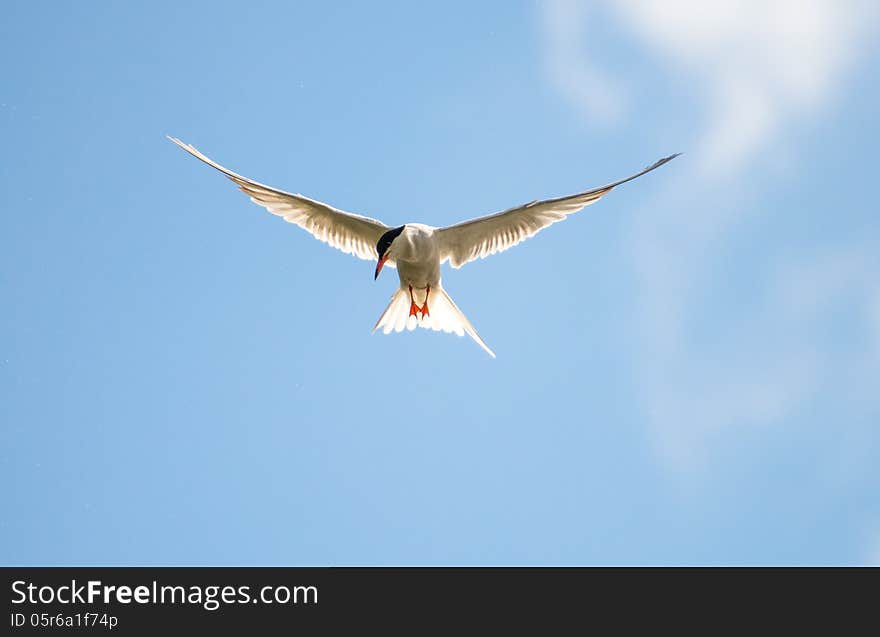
pixel 443 315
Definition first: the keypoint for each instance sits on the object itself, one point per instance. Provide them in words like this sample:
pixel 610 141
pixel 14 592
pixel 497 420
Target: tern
pixel 416 249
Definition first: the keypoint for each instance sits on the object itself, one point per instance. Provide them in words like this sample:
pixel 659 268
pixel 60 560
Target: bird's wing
pixel 353 234
pixel 479 238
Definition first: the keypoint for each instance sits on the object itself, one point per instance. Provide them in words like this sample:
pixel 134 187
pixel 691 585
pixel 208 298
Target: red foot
pixel 414 309
pixel 425 311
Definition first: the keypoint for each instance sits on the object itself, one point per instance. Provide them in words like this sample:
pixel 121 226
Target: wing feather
pixel 351 233
pixel 480 238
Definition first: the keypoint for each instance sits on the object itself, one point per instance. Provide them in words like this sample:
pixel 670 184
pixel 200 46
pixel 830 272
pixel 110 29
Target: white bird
pixel 417 250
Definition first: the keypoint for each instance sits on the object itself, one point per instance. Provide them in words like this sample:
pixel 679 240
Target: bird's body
pixel 416 255
pixel 417 250
pixel 421 301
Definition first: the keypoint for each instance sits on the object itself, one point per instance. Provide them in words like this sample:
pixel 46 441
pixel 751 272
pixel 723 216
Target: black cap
pixel 385 240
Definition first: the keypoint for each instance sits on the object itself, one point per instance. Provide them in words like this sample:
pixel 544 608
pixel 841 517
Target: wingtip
pixel 658 163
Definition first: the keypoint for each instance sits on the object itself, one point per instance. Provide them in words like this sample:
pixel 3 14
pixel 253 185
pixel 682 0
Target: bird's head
pixel 383 247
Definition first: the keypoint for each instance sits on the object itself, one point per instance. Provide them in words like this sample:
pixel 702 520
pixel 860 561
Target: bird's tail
pixel 443 315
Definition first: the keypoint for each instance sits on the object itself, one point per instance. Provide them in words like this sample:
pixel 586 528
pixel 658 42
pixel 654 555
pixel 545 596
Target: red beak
pixel 379 265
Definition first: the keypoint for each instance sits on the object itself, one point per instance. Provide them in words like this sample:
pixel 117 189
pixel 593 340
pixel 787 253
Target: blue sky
pixel 686 373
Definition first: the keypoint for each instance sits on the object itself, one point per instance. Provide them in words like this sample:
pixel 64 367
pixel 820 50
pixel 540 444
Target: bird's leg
pixel 413 308
pixel 425 311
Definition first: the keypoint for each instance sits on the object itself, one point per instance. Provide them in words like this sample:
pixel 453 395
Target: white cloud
pixel 760 71
pixel 593 93
pixel 759 64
